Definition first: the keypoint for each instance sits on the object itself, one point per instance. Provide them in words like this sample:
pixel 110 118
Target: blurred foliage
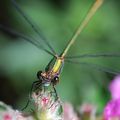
pixel 58 19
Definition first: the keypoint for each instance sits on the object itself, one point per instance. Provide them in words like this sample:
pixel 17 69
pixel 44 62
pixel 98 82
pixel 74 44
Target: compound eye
pixel 39 74
pixel 55 80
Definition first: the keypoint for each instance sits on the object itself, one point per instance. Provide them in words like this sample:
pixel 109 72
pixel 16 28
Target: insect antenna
pixel 100 55
pixel 89 15
pixel 18 8
pixel 29 39
pixel 95 66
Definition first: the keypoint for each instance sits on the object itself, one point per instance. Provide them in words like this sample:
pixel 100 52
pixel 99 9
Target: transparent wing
pixel 95 66
pixel 18 8
pixel 29 39
pixel 98 55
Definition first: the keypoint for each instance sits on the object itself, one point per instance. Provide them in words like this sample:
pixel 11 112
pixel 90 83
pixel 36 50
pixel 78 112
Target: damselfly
pixel 50 76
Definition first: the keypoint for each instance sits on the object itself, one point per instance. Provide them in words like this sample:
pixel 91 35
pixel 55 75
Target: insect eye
pixel 39 74
pixel 55 80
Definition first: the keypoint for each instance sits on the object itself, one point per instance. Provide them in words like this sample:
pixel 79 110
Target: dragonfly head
pixel 47 78
pixel 51 73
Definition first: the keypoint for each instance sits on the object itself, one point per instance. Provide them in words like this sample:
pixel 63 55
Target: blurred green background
pixel 58 19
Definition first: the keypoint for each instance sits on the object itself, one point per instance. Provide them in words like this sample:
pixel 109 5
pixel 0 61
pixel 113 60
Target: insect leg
pixel 55 93
pixel 28 101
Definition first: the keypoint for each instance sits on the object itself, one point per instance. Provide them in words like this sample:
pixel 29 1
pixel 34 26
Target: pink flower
pixel 47 106
pixel 7 113
pixel 88 111
pixel 7 117
pixel 88 108
pixel 69 113
pixel 114 87
pixel 112 110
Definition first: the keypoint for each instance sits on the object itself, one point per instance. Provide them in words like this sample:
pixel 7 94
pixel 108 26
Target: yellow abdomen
pixel 57 65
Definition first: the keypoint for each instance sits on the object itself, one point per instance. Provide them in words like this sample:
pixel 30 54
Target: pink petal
pixel 114 88
pixel 69 113
pixel 7 117
pixel 112 109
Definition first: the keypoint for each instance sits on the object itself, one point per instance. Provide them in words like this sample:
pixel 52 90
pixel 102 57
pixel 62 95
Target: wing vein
pixel 105 55
pixel 32 25
pixel 29 39
pixel 95 66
